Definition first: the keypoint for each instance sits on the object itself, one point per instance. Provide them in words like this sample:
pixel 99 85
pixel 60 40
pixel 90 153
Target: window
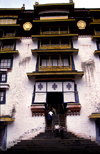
pixel 64 42
pixel 98 45
pixel 9 33
pixel 8 21
pixel 45 30
pixel 45 42
pixel 54 30
pixel 55 42
pixel 5 63
pixel 2 97
pixel 55 62
pixel 7 46
pixel 44 61
pixel 65 61
pixel 97 31
pixel 3 78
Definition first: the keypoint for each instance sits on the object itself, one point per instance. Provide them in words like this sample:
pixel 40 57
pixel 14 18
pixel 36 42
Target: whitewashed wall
pixel 88 88
pixel 20 93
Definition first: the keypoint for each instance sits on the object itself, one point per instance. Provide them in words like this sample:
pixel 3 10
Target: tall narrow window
pixel 2 97
pixel 3 77
pixel 44 61
pixel 54 60
pixel 65 61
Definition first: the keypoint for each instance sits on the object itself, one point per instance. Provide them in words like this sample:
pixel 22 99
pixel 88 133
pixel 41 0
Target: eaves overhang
pixel 95 37
pixel 94 116
pixel 4 86
pixel 92 11
pixel 96 52
pixel 55 73
pixel 53 4
pixel 10 9
pixel 59 35
pixel 3 70
pixel 38 7
pixel 10 38
pixel 94 23
pixel 9 25
pixel 6 119
pixel 10 52
pixel 72 51
pixel 54 20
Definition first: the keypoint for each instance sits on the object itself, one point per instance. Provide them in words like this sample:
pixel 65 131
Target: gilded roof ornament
pixel 27 26
pixel 81 24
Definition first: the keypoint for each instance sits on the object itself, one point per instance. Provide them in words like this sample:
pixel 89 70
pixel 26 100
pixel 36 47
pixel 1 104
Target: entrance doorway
pixel 55 104
pixel 55 100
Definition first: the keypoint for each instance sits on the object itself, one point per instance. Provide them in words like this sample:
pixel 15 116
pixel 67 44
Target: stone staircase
pixel 46 143
pixel 59 119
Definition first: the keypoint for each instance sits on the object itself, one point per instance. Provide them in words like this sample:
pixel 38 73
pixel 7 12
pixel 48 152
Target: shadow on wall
pixel 24 61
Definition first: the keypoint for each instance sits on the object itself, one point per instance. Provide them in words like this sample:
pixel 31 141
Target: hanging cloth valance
pixel 40 98
pixel 69 97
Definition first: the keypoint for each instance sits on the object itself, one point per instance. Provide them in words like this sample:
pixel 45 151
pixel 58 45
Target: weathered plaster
pixel 88 89
pixel 19 95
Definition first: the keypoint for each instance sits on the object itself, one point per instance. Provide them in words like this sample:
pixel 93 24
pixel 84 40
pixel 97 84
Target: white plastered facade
pixel 20 93
pixel 87 87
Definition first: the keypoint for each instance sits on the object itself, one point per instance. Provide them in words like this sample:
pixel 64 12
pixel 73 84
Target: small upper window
pixel 5 63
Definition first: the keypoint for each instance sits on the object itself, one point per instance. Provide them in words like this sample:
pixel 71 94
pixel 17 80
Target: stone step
pixel 47 143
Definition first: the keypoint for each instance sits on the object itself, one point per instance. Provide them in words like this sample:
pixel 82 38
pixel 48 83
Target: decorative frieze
pixel 73 109
pixel 38 110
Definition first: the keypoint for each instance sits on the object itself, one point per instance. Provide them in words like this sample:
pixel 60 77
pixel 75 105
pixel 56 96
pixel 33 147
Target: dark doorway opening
pixel 55 100
pixel 56 105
